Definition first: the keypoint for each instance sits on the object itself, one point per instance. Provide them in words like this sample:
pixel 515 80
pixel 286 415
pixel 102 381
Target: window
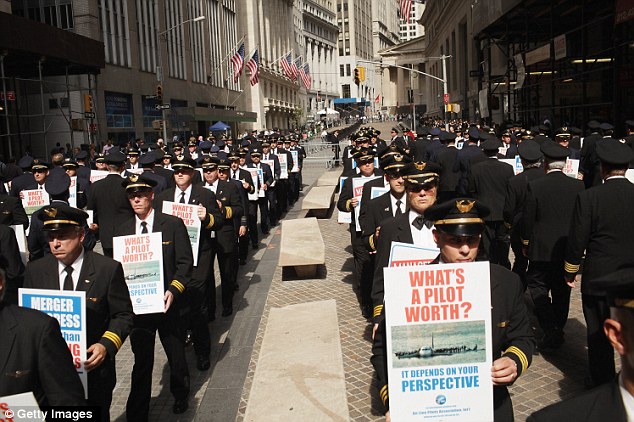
pixel 348 70
pixel 345 91
pixel 341 72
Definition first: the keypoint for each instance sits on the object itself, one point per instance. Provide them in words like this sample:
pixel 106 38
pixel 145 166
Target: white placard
pixel 357 192
pixel 34 199
pixel 409 255
pixel 283 166
pixel 142 259
pixel 375 192
pixel 571 169
pixel 20 236
pixel 72 190
pixel 438 333
pixel 22 406
pixel 96 175
pixel 342 216
pixel 69 309
pixel 516 163
pixel 189 214
pixel 295 157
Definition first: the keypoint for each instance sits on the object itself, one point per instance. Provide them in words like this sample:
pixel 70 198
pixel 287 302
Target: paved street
pixel 222 393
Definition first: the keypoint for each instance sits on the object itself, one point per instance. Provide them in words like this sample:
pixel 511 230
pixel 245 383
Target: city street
pixel 223 392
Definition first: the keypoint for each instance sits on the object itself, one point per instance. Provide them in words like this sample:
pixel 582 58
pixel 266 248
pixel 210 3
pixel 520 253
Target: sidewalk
pixel 222 393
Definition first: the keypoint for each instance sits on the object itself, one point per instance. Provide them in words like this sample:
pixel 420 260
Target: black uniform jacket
pixel 487 183
pixel 547 214
pixel 111 206
pixel 603 403
pixel 373 213
pixel 12 212
pixel 602 224
pixel 108 307
pixel 449 177
pixel 34 357
pixel 177 250
pixel 228 193
pixel 516 195
pixel 345 198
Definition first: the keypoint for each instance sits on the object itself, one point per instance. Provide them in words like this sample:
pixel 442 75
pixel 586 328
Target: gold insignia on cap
pixel 564 129
pixel 134 178
pixel 622 141
pixel 398 157
pixel 181 158
pixel 36 161
pixel 464 206
pixel 420 165
pixel 50 212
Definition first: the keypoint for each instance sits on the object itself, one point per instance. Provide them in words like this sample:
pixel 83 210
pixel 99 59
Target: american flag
pixel 405 9
pixel 285 62
pixel 295 68
pixel 254 67
pixel 304 73
pixel 237 60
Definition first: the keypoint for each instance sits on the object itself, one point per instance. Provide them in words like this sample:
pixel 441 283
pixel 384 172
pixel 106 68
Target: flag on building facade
pixel 377 99
pixel 304 74
pixel 254 67
pixel 285 63
pixel 237 61
pixel 295 68
pixel 405 9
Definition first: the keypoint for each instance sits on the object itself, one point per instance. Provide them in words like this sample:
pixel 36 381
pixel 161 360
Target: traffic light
pixel 361 73
pixel 159 92
pixel 87 103
pixel 357 76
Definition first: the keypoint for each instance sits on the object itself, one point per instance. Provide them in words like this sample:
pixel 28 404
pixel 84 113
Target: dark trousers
pixel 363 267
pixel 293 188
pixel 496 243
pixel 551 311
pixel 227 264
pixel 171 332
pixel 243 246
pixel 281 190
pixel 520 265
pixel 600 352
pixel 101 382
pixel 195 299
pixel 271 197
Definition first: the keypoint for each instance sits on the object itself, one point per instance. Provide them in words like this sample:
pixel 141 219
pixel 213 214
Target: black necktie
pixel 419 222
pixel 143 227
pixel 235 175
pixel 399 211
pixel 68 280
pixel 182 201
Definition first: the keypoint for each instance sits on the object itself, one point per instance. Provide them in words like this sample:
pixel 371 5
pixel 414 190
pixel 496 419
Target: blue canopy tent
pixel 219 127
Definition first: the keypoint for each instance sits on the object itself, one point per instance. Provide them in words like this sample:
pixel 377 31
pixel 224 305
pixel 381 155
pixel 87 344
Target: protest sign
pixel 20 236
pixel 256 183
pixel 72 190
pixel 189 214
pixel 342 216
pixel 571 169
pixel 516 163
pixel 438 327
pixel 20 407
pixel 283 166
pixel 295 157
pixel 142 259
pixel 69 309
pixel 357 192
pixel 96 175
pixel 33 200
pixel 408 255
pixel 376 191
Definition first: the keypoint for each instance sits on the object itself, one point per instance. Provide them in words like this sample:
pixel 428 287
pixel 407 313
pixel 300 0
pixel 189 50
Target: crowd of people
pixel 124 190
pixel 474 193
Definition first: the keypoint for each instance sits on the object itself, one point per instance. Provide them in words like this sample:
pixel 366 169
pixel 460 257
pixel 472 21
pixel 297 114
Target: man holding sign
pixel 458 229
pixel 108 307
pixel 177 271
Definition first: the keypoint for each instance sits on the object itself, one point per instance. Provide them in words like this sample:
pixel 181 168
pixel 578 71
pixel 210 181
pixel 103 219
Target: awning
pixel 27 41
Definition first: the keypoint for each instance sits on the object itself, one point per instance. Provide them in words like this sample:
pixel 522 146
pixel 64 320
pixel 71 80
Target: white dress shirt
pixel 149 219
pixel 61 270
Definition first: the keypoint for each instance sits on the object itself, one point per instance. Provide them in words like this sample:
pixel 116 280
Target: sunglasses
pixel 210 169
pixel 183 171
pixel 40 170
pixel 368 161
pixel 416 188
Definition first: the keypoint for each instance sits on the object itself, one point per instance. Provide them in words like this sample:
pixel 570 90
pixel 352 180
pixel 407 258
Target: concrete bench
pixel 319 200
pixel 302 246
pixel 329 178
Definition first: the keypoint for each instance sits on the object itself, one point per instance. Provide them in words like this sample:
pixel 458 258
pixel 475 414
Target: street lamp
pixel 159 67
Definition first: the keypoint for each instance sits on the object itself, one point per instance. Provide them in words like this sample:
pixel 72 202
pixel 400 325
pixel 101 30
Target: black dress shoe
pixel 236 287
pixel 202 363
pixel 227 311
pixel 243 262
pixel 180 406
pixel 255 245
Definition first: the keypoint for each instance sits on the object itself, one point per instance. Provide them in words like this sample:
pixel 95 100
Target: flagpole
pixel 230 54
